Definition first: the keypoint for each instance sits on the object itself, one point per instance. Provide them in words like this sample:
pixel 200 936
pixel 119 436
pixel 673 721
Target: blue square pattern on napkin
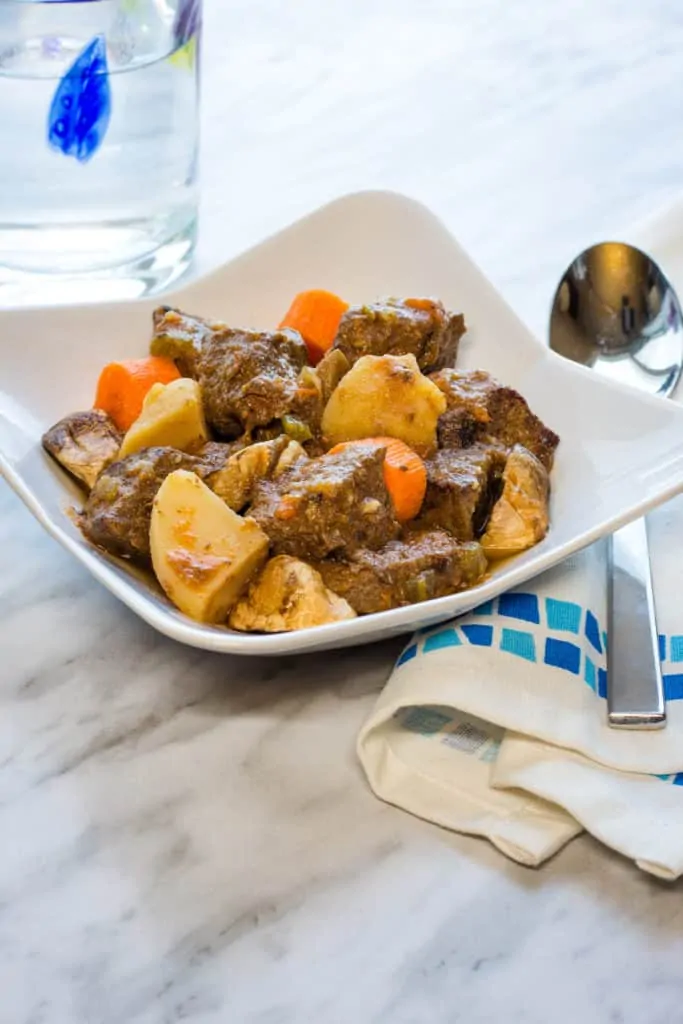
pixel 579 651
pixel 560 634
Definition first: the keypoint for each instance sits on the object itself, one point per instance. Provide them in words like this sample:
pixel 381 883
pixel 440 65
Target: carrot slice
pixel 315 315
pixel 122 387
pixel 405 474
pixel 288 507
pixel 423 304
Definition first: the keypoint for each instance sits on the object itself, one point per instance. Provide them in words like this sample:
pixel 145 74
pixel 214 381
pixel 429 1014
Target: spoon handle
pixel 635 693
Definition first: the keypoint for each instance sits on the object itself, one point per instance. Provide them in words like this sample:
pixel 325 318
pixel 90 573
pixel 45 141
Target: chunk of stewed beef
pixel 249 378
pixel 335 503
pixel 421 566
pixel 512 422
pixel 462 487
pixel 480 408
pixel 118 511
pixel 399 327
pixel 180 337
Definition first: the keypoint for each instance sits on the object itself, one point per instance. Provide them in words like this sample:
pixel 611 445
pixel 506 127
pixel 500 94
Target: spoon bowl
pixel 616 312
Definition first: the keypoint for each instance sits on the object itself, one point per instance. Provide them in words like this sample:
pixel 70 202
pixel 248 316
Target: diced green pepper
pixel 296 429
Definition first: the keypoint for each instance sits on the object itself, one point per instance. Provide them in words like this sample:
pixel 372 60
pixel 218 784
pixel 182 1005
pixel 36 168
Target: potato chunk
pixel 288 595
pixel 385 396
pixel 203 553
pixel 171 417
pixel 520 516
pixel 293 453
pixel 235 482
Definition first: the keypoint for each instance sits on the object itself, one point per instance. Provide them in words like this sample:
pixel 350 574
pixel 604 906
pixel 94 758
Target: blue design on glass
pixel 516 642
pixel 188 21
pixel 590 674
pixel 519 606
pixel 81 107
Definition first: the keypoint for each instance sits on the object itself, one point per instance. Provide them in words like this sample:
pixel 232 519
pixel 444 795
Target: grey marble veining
pixel 188 837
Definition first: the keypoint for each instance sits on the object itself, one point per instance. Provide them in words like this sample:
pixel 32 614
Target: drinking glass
pixel 98 145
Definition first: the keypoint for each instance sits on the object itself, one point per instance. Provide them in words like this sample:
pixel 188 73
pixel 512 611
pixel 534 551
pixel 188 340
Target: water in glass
pixel 98 134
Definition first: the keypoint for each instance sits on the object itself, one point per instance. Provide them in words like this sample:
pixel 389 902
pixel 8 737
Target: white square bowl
pixel 620 454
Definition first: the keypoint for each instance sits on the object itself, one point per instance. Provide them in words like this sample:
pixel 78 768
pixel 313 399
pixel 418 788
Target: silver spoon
pixel 615 311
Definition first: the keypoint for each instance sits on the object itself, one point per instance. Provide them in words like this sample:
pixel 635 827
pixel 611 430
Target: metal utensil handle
pixel 635 692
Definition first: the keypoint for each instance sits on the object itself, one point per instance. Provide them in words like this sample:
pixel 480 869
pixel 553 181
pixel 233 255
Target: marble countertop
pixel 189 837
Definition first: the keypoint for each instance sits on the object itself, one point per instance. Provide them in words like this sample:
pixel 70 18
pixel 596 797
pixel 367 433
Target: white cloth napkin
pixel 495 723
